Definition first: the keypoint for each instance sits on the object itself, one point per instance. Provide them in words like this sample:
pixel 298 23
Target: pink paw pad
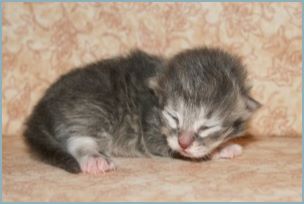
pixel 228 152
pixel 96 165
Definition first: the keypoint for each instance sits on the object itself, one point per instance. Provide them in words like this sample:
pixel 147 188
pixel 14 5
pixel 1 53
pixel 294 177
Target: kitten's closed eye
pixel 205 131
pixel 171 118
pixel 202 128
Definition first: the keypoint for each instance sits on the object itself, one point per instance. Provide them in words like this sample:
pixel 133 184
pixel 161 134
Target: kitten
pixel 141 105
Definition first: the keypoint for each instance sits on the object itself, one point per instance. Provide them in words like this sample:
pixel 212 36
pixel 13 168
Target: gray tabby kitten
pixel 142 105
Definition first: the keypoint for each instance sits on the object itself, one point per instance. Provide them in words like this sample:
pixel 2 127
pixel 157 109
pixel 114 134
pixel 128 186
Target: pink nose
pixel 185 139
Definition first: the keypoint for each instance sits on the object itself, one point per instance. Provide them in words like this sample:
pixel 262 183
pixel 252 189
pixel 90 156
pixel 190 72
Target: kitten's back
pixel 84 100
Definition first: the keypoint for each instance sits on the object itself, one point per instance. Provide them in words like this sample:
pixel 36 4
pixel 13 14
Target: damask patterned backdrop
pixel 41 41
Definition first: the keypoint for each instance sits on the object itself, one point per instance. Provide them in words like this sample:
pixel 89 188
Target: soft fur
pixel 141 105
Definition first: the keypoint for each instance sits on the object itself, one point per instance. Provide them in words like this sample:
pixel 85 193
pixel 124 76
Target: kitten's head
pixel 205 100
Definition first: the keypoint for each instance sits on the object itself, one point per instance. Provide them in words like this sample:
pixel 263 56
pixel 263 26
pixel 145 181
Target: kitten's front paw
pixel 96 164
pixel 228 152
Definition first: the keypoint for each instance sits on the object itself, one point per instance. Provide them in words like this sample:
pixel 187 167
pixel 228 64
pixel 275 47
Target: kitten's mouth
pixel 195 155
pixel 185 154
pixel 189 156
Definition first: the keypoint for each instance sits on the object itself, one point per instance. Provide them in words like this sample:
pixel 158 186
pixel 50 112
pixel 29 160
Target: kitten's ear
pixel 153 84
pixel 252 104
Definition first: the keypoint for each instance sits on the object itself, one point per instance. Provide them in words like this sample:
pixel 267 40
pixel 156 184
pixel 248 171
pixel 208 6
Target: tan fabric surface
pixel 43 40
pixel 268 170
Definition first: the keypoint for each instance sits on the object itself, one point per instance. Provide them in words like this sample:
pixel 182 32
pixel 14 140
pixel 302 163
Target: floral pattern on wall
pixel 41 41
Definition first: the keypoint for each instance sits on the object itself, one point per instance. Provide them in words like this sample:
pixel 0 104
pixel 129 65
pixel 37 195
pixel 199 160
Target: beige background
pixel 41 41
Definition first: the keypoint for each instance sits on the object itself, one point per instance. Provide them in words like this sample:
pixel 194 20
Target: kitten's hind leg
pixel 95 164
pixel 86 152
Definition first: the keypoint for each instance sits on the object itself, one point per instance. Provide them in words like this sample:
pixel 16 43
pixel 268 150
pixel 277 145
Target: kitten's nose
pixel 185 139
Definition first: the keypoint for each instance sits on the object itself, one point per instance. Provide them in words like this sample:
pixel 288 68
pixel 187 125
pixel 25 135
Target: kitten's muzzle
pixel 185 139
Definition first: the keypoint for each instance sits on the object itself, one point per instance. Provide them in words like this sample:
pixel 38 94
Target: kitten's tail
pixel 50 150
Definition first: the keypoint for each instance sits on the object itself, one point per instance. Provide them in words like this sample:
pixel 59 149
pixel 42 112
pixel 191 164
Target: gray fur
pixel 119 103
